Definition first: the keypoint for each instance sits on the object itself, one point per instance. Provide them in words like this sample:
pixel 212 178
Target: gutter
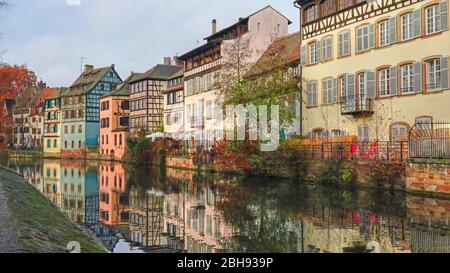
pixel 297 5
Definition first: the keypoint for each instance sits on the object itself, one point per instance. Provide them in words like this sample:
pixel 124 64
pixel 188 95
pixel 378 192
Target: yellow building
pixel 373 69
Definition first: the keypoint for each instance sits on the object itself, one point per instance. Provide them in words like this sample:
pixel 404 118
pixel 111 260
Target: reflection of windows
pixel 399 132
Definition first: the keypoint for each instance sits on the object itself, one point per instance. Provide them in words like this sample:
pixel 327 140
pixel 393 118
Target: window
pixel 318 133
pixel 384 82
pixel 48 143
pixel 433 19
pixel 208 110
pixel 433 76
pixel 363 133
pixel 362 83
pixel 399 132
pixel 407 26
pixel 189 87
pixel 55 143
pixel 383 30
pixel 314 49
pixel 329 96
pixel 327 48
pixel 344 43
pixel 343 86
pixel 311 13
pixel 407 79
pixel 312 93
pixel 424 123
pixel 327 7
pixel 364 38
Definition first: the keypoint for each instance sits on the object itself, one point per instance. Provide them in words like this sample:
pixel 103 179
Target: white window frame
pixel 407 25
pixel 407 79
pixel 433 76
pixel 344 37
pixel 384 82
pixel 383 33
pixel 433 19
pixel 312 53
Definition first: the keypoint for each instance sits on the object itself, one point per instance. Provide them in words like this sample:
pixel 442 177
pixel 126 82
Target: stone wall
pixel 180 162
pixel 428 177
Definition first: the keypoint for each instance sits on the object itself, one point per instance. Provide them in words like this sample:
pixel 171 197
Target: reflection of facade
pixel 146 218
pixel 73 189
pixel 113 200
pixel 52 176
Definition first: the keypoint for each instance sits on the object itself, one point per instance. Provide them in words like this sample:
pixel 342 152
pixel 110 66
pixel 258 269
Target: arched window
pixel 310 14
pixel 327 7
pixel 399 131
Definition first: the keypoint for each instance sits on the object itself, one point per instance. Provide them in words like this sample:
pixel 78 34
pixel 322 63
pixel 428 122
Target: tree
pixel 13 80
pixel 270 81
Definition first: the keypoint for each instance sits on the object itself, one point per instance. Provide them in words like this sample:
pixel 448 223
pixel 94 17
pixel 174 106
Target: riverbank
pixel 32 224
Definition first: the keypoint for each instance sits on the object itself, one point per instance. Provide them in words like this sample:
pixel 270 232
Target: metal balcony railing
pixel 354 105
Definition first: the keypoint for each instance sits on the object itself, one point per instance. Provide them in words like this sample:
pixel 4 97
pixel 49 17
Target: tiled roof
pixel 60 91
pixel 44 94
pixel 124 89
pixel 158 72
pixel 286 49
pixel 25 98
pixel 88 80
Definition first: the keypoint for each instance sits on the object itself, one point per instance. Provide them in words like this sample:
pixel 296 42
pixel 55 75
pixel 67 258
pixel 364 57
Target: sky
pixel 52 36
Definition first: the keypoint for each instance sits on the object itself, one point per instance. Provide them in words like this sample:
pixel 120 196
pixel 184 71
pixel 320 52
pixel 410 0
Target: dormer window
pixel 310 14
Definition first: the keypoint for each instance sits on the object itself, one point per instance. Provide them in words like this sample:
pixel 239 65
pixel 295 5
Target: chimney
pixel 113 66
pixel 88 68
pixel 214 26
pixel 167 61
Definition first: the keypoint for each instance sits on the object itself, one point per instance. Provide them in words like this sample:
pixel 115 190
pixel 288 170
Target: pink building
pixel 114 122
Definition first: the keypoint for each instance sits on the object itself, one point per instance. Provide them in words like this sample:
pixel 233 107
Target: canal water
pixel 168 210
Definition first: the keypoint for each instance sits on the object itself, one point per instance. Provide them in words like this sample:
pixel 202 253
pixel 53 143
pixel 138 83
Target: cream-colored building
pixel 373 69
pixel 203 66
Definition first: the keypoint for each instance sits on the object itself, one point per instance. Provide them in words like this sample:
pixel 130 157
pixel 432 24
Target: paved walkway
pixel 8 242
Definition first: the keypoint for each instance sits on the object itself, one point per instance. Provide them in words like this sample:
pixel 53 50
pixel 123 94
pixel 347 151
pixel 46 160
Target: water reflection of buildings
pixel 52 176
pixel 113 199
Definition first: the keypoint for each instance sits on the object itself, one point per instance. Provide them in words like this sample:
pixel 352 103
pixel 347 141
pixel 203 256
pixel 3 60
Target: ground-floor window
pixel 399 132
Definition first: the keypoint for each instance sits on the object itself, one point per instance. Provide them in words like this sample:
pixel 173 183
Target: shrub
pixel 335 172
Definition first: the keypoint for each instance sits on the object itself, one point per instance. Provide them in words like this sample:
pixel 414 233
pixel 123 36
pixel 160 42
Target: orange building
pixel 114 122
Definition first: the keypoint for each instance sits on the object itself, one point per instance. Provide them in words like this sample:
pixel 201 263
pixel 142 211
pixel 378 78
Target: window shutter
pixel 371 36
pixel 444 15
pixel 444 72
pixel 417 23
pixel 393 30
pixel 347 43
pixel 309 94
pixel 393 80
pixel 303 55
pixel 370 84
pixel 417 74
pixel 360 133
pixel 318 51
pixel 335 87
pixel 350 82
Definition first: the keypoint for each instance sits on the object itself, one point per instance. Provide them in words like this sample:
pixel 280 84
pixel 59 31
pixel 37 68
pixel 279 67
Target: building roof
pixel 124 88
pixel 43 94
pixel 88 80
pixel 285 50
pixel 178 74
pixel 242 20
pixel 25 98
pixel 60 92
pixel 158 72
pixel 196 51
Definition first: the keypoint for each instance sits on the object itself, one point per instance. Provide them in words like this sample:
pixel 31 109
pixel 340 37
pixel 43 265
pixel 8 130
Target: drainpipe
pixel 297 5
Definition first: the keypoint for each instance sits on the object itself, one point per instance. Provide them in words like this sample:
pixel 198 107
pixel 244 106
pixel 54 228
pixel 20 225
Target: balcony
pixel 197 122
pixel 356 105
